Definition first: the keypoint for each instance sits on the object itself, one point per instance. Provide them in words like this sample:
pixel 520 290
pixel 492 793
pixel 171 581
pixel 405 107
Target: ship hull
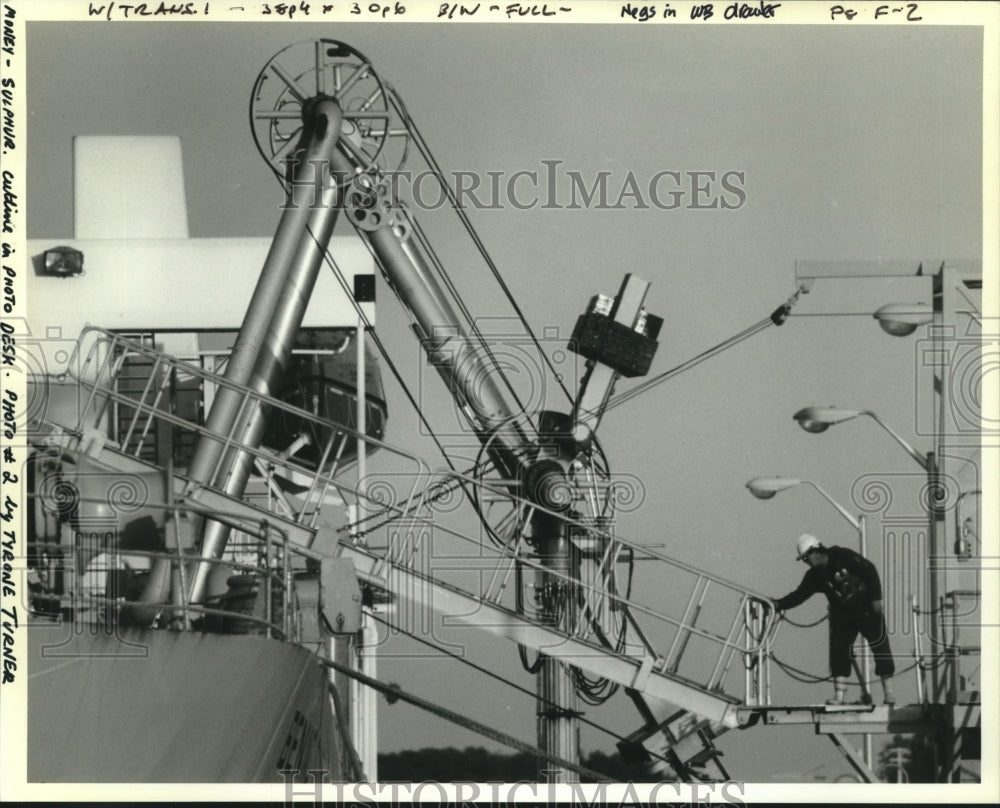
pixel 162 706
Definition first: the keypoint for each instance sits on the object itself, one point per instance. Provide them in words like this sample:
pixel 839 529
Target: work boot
pixel 889 695
pixel 839 690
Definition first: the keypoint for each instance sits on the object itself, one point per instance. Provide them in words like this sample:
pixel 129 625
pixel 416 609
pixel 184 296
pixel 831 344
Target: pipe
pixel 273 348
pixel 268 332
pixel 460 361
pixel 559 707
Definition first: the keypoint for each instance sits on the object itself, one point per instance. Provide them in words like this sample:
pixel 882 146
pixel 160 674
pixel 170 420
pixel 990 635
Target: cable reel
pixel 586 498
pixel 307 71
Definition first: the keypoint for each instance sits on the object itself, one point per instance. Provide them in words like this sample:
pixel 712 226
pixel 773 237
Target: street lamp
pixel 902 319
pixel 767 488
pixel 819 419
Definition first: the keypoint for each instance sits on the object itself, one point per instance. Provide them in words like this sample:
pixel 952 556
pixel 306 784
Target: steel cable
pixel 627 396
pixel 470 230
pixel 804 676
pixel 791 622
pixel 514 685
pixel 394 692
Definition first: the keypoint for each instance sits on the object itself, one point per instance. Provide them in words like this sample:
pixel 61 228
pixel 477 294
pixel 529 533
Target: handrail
pixel 415 505
pixel 233 520
pixel 110 339
pixel 651 552
pixel 74 598
pixel 260 530
pixel 97 374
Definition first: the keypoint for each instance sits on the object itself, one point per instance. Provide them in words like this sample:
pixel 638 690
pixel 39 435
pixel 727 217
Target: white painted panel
pixel 128 187
pixel 176 285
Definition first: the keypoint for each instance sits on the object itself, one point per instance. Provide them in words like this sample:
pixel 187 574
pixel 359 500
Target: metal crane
pixel 329 125
pixel 334 134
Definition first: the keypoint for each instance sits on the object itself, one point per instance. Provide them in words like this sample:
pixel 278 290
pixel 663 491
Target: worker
pixel 854 591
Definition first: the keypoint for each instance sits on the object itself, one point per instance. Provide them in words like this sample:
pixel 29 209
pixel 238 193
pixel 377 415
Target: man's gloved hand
pixel 877 607
pixel 767 607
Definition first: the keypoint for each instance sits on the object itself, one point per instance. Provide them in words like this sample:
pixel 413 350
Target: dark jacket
pixel 848 579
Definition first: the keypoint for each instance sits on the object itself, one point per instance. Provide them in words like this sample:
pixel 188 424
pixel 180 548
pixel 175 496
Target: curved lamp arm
pixel 819 419
pixel 767 487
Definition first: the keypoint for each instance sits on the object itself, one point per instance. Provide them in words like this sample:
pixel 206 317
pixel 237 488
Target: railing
pixel 110 608
pixel 719 621
pixel 104 354
pixel 759 624
pixel 746 629
pixel 267 543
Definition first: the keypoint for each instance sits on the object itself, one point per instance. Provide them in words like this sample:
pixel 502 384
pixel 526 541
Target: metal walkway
pixel 684 662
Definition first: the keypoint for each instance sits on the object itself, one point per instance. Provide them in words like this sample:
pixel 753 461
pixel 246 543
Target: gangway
pixel 677 666
pixel 683 713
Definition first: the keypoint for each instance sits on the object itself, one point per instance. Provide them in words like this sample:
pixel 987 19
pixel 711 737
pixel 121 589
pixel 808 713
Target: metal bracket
pixel 340 595
pixel 642 674
pixel 92 442
pixel 853 758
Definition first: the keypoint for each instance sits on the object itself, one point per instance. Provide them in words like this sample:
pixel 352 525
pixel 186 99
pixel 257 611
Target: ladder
pixel 136 378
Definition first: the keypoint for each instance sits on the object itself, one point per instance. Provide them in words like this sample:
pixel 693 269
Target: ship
pixel 203 587
pixel 197 482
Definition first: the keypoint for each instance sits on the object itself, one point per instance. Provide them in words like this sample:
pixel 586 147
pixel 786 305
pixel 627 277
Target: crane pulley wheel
pixel 309 70
pixel 587 489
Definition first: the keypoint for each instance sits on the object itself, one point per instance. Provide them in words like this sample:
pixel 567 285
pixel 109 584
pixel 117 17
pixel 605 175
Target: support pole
pixel 362 412
pixel 558 703
pixel 365 700
pixel 341 651
pixel 364 705
pixel 859 766
pixel 866 657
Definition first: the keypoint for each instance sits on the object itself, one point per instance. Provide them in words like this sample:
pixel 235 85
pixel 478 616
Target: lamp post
pixel 767 488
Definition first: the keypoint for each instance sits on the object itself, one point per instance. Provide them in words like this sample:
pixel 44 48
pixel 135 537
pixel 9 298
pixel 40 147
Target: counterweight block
pixel 629 352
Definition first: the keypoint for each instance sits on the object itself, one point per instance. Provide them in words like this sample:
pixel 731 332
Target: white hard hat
pixel 806 543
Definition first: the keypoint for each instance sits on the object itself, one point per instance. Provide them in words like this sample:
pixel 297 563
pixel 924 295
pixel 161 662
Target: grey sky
pixel 856 144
